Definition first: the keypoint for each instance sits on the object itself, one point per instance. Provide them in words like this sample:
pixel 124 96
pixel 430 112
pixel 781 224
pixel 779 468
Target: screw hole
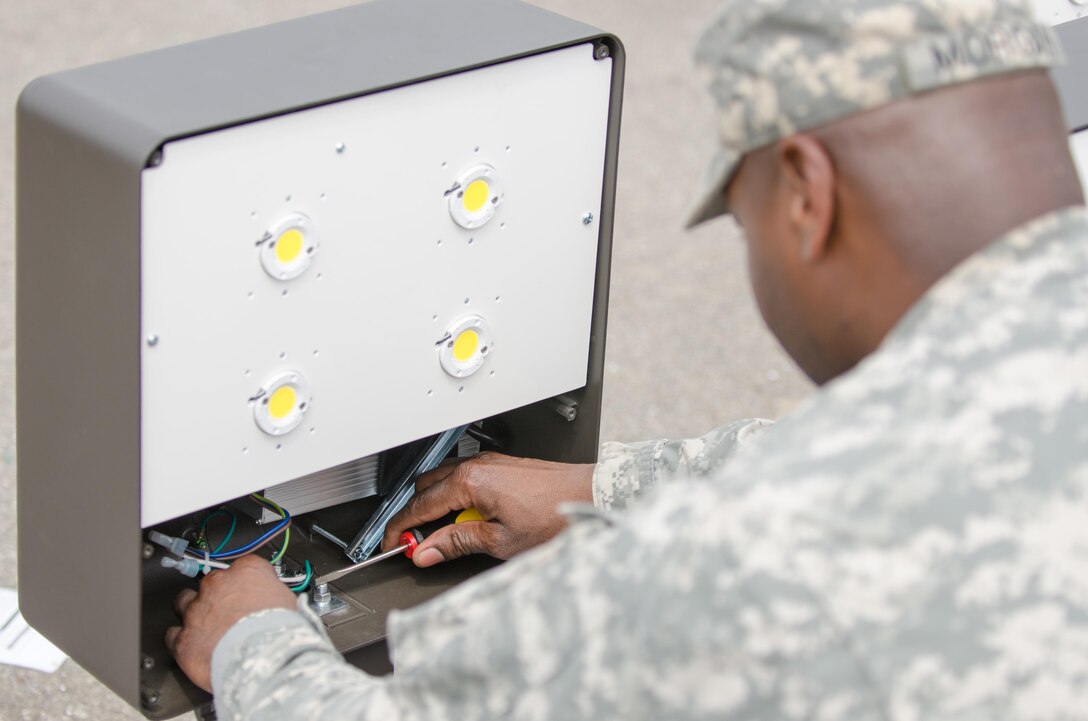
pixel 288 199
pixel 466 301
pixel 461 389
pixel 476 149
pixel 279 446
pixel 430 393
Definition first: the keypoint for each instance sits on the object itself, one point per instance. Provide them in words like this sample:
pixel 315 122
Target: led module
pixel 476 198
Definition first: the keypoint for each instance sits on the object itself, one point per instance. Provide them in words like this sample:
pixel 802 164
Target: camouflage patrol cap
pixel 777 67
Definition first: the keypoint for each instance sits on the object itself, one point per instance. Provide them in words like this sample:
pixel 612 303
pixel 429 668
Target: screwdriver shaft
pixel 340 573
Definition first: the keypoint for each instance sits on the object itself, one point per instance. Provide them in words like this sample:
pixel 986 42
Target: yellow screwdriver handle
pixel 469 514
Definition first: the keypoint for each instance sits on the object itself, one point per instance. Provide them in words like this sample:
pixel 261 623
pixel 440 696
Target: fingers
pixel 182 602
pixel 439 474
pixel 171 639
pixel 460 539
pixel 431 504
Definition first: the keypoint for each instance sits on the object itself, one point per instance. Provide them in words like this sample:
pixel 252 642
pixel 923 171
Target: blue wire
pixel 251 546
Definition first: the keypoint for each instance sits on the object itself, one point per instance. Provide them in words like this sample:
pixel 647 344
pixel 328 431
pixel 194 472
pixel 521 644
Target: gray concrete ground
pixel 686 348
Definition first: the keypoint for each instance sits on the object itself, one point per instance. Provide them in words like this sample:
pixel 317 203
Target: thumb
pixel 457 540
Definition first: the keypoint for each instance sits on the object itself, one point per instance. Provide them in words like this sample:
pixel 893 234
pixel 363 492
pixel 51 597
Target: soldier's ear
pixel 807 174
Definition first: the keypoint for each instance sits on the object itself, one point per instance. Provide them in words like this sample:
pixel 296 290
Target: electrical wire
pixel 275 531
pixel 230 532
pixel 215 559
pixel 309 577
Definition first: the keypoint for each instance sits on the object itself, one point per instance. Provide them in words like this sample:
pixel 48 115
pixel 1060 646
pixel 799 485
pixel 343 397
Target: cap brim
pixel 711 203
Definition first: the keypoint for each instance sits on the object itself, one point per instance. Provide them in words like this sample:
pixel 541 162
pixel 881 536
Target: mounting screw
pixel 568 412
pixel 147 663
pixel 155 160
pixel 149 551
pixel 601 52
pixel 152 340
pixel 340 148
pixel 149 697
pixel 587 219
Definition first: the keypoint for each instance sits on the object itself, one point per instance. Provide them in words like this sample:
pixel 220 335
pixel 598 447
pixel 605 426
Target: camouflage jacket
pixel 911 544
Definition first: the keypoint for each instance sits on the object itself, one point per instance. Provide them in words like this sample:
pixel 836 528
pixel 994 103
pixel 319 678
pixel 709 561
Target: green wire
pixel 286 534
pixel 230 531
pixel 283 549
pixel 309 577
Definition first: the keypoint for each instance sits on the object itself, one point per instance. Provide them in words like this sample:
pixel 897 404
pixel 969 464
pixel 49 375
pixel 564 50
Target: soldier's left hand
pixel 225 597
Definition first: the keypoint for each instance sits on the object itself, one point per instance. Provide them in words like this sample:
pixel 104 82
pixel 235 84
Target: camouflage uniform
pixel 911 544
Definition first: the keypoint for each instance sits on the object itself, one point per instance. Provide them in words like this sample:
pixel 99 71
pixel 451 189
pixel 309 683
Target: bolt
pixel 149 551
pixel 322 597
pixel 152 340
pixel 587 219
pixel 147 663
pixel 340 148
pixel 568 412
pixel 601 52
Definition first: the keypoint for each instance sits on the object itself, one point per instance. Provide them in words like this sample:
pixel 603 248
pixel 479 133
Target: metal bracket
pixel 370 537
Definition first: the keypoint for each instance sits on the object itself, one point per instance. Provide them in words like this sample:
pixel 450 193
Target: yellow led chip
pixel 281 402
pixel 465 347
pixel 288 247
pixel 476 197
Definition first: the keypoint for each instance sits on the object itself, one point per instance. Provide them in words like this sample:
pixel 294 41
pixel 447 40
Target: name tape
pixel 972 53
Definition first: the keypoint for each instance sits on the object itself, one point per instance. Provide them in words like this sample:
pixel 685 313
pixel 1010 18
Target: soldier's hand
pixel 225 597
pixel 516 496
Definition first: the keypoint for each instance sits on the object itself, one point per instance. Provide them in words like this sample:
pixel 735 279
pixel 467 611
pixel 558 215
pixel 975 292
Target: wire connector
pixel 176 546
pixel 185 566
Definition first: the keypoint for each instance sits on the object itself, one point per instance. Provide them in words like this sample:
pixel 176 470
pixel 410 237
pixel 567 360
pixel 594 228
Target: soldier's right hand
pixel 517 498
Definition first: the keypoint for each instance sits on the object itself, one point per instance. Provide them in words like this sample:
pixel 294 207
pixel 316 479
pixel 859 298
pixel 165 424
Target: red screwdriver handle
pixel 411 538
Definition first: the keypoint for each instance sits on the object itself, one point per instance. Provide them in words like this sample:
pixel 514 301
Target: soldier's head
pixel 869 146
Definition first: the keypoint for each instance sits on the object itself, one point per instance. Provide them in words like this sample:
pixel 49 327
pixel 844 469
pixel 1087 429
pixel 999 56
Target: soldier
pixel 911 543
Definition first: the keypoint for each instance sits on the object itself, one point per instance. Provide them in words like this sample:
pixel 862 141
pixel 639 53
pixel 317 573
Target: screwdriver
pixel 408 542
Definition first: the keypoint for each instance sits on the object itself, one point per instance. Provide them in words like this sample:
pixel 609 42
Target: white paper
pixel 20 645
